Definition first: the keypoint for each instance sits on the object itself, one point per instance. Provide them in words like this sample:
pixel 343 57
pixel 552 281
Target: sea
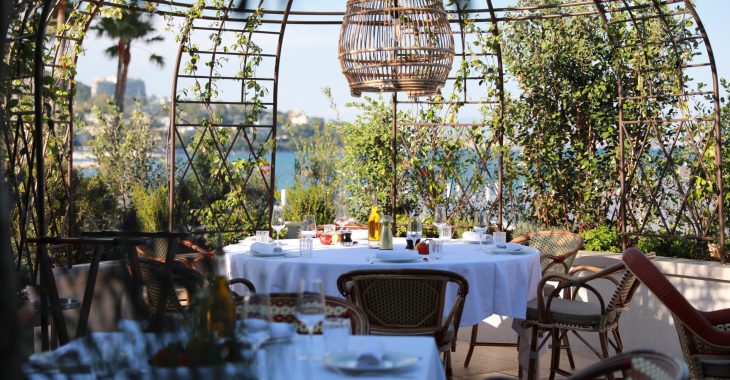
pixel 285 172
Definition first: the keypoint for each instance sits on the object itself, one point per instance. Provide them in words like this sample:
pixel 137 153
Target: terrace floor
pixel 487 362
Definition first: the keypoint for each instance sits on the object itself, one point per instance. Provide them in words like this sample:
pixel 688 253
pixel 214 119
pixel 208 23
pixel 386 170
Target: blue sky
pixel 309 61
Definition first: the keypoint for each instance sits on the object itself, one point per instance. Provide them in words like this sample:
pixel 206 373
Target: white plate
pixel 273 254
pixel 392 362
pixel 398 256
pixel 512 249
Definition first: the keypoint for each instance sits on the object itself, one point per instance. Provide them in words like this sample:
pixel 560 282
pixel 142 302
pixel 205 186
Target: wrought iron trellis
pixel 656 113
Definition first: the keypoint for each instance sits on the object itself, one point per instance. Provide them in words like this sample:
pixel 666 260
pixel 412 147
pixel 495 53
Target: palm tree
pixel 130 27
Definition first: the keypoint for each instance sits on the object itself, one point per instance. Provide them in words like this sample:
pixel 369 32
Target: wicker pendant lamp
pixel 396 45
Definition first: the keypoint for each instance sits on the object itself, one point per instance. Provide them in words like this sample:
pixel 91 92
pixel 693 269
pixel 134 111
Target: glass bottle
pixel 374 226
pixel 220 311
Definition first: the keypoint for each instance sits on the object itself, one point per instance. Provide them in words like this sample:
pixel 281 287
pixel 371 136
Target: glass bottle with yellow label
pixel 374 226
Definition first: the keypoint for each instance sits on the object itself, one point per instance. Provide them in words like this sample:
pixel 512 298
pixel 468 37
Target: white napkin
pixel 281 330
pixel 370 354
pixel 265 249
pixel 470 235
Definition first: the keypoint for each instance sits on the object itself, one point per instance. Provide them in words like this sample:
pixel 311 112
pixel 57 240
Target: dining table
pixel 499 283
pixel 121 355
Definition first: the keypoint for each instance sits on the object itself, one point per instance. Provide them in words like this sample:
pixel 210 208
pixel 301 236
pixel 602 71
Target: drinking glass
pixel 336 331
pixel 310 307
pixel 445 232
pixel 309 226
pixel 439 217
pixel 262 236
pixel 306 245
pixel 255 326
pixel 500 239
pixel 341 218
pixel 414 232
pixel 278 222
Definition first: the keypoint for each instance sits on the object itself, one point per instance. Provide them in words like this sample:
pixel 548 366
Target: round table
pixel 500 284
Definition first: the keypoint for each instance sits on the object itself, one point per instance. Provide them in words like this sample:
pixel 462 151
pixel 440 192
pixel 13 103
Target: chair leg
pixel 555 354
pixel 472 341
pixel 604 350
pixel 619 342
pixel 447 362
pixel 568 349
pixel 532 367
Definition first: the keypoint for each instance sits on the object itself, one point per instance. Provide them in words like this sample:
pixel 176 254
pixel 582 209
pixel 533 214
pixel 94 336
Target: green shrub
pixel 687 249
pixel 602 238
pixel 151 206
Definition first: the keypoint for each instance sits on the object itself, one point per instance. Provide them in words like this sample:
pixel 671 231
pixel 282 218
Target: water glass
pixel 436 249
pixel 336 332
pixel 500 239
pixel 445 233
pixel 305 246
pixel 262 236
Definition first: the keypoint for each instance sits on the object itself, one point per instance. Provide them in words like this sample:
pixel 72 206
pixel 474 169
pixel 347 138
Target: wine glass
pixel 310 306
pixel 439 217
pixel 278 222
pixel 255 326
pixel 341 218
pixel 309 226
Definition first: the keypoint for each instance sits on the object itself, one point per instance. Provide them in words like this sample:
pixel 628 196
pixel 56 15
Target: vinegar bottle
pixel 374 226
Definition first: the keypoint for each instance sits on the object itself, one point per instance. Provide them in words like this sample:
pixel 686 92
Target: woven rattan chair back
pixel 556 247
pixel 158 283
pixel 638 365
pixel 403 301
pixel 703 335
pixel 284 310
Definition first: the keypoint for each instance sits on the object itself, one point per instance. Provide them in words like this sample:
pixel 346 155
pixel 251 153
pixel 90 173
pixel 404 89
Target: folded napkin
pixel 265 249
pixel 470 235
pixel 370 354
pixel 281 330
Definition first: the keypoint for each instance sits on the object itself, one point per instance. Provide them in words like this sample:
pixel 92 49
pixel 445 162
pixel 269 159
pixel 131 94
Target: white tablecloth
pixel 428 367
pixel 285 358
pixel 499 284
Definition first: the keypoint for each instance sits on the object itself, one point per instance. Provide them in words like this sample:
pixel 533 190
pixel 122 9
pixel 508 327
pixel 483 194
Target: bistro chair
pixel 284 306
pixel 169 289
pixel 557 252
pixel 703 335
pixel 187 253
pixel 637 365
pixel 557 249
pixel 558 316
pixel 408 302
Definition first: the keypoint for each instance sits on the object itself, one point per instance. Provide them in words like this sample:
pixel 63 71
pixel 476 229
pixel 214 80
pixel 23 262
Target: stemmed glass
pixel 310 306
pixel 480 223
pixel 255 328
pixel 341 218
pixel 309 226
pixel 278 222
pixel 439 218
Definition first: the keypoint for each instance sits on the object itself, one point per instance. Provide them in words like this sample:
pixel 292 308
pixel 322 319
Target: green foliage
pixel 366 164
pixel 151 207
pixel 96 206
pixel 565 119
pixel 315 187
pixel 603 238
pixel 122 149
pixel 688 249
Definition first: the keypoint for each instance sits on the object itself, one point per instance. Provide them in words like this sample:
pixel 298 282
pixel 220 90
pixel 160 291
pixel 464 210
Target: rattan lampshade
pixel 396 45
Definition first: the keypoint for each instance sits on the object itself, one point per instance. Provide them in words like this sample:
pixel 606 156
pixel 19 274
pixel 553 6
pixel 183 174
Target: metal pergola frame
pixel 27 133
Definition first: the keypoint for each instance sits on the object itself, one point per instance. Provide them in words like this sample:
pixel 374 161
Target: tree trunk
pixel 122 83
pixel 61 14
pixel 120 86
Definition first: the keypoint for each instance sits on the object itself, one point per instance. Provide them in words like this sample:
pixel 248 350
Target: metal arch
pixel 177 9
pixel 718 132
pixel 500 88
